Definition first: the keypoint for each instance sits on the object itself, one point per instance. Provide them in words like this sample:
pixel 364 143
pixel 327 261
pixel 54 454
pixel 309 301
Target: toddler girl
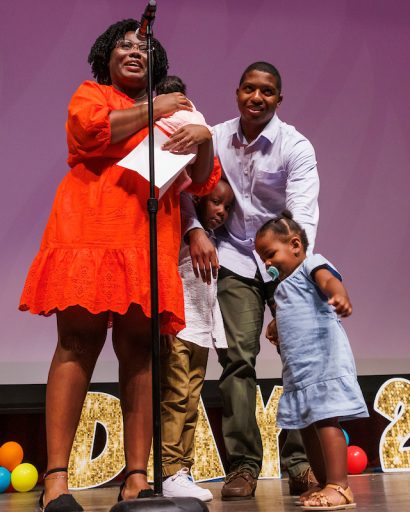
pixel 319 376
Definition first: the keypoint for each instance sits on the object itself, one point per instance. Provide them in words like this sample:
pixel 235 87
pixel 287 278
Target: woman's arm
pixel 334 290
pixel 126 122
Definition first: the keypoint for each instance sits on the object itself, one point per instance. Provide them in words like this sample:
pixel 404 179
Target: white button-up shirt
pixel 274 172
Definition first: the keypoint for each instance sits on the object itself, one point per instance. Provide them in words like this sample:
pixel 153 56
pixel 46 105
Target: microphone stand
pixel 152 207
pixel 184 504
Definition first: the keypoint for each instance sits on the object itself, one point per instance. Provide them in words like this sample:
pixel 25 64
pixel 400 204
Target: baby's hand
pixel 272 333
pixel 342 304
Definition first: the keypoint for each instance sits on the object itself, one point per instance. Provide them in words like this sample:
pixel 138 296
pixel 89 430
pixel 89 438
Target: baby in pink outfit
pixel 178 119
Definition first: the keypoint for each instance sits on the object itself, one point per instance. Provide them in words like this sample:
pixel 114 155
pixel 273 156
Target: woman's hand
pixel 167 104
pixel 186 137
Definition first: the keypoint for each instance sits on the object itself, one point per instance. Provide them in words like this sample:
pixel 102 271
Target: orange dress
pixel 95 249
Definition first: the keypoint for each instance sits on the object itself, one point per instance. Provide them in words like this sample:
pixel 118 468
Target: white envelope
pixel 167 165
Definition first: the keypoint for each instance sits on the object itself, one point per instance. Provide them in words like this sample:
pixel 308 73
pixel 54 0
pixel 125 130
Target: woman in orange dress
pixel 93 264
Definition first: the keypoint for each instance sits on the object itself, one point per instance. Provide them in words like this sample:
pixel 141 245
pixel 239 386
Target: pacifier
pixel 273 272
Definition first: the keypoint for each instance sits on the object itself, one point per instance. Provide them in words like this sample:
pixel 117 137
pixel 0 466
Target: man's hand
pixel 186 137
pixel 272 333
pixel 203 255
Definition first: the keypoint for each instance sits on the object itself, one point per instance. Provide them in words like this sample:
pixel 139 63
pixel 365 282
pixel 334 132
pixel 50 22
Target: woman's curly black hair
pixel 101 51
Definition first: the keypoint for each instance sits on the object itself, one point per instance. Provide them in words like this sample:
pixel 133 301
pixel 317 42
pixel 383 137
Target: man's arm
pixel 302 188
pixel 194 135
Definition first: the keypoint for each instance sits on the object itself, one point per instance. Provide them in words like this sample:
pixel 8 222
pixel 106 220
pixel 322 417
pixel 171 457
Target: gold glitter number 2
pixel 393 402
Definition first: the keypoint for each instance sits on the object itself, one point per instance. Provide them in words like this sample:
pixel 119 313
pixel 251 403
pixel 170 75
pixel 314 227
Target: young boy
pixel 184 363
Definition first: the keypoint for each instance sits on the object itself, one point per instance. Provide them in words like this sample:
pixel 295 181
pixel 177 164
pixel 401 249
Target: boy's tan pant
pixel 182 375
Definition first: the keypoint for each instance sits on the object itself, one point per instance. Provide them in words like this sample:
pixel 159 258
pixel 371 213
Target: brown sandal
pixel 345 500
pixel 300 500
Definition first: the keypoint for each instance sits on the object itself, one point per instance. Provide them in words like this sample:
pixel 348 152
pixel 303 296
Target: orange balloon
pixel 11 455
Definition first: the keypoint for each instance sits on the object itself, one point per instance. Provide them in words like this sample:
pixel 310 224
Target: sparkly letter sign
pixel 104 409
pixel 208 464
pixel 83 471
pixel 266 418
pixel 393 402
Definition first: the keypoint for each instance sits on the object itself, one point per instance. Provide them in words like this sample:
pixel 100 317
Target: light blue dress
pixel 319 373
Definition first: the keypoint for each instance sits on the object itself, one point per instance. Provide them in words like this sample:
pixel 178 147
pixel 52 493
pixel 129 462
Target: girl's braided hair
pixel 285 227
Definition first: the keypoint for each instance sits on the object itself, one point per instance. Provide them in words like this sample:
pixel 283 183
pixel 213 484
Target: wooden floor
pixel 373 492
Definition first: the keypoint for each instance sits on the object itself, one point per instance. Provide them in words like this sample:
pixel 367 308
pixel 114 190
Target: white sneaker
pixel 181 485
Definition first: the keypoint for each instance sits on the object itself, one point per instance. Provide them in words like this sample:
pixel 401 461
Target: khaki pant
pixel 182 375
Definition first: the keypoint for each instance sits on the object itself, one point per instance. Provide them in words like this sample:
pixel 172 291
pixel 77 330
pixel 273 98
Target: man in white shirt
pixel 270 167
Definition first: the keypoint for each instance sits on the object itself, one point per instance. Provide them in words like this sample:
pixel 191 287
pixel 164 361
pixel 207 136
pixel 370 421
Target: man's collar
pixel 268 133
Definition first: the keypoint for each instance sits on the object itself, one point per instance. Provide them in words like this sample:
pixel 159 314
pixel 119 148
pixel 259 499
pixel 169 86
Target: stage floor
pixel 375 492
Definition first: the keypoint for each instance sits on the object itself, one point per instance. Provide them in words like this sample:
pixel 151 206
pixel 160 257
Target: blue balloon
pixel 5 477
pixel 346 436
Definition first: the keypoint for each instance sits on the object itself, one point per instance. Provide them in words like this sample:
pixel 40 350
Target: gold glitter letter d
pixel 83 471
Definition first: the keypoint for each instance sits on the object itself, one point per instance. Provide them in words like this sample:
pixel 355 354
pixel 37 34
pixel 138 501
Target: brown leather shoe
pixel 302 482
pixel 239 485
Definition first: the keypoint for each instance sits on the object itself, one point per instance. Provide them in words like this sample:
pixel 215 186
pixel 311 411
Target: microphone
pixel 147 18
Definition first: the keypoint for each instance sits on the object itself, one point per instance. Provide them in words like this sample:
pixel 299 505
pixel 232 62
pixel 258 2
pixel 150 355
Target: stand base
pixel 161 504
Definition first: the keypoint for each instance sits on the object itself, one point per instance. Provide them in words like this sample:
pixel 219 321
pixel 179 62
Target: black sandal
pixel 144 493
pixel 63 503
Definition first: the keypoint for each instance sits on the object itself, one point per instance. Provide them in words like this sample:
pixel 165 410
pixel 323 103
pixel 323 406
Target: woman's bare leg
pixel 81 337
pixel 132 345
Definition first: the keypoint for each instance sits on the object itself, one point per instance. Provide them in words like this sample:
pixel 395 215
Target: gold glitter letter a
pixel 208 464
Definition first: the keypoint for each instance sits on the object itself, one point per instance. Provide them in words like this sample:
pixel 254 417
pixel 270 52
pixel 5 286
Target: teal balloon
pixel 5 477
pixel 346 436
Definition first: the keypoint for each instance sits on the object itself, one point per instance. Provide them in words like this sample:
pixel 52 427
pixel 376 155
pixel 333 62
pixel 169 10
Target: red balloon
pixel 356 460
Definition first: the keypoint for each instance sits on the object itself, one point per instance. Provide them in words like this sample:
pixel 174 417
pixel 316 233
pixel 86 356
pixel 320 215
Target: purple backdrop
pixel 345 87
